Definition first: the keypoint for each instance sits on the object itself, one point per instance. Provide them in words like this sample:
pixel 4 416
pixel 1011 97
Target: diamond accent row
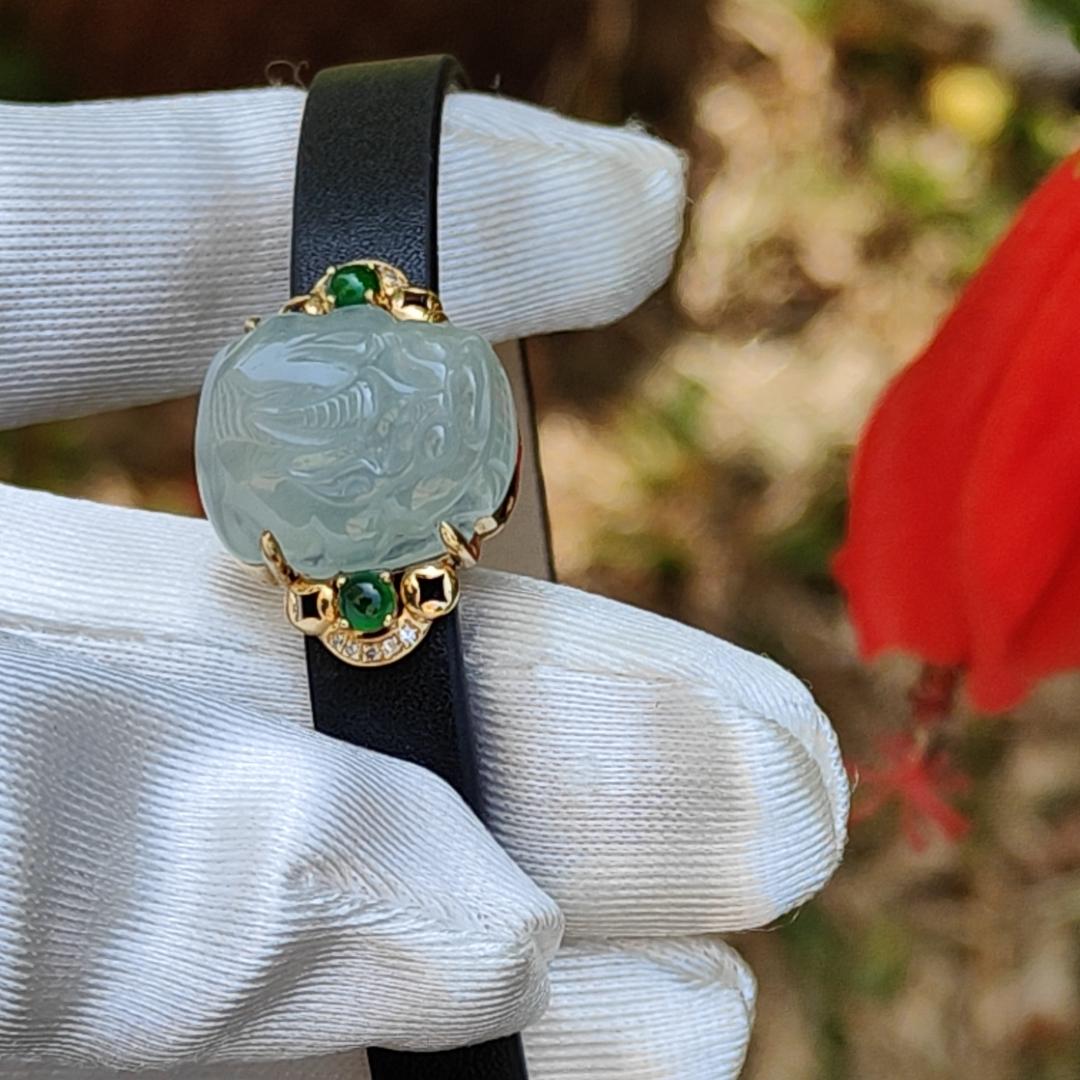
pixel 354 648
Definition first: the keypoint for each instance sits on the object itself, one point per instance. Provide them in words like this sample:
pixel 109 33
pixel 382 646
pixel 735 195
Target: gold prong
pixel 462 552
pixel 315 302
pixel 465 552
pixel 250 323
pixel 385 576
pixel 275 561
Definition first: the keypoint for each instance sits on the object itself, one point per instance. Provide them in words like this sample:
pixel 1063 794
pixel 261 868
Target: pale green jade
pixel 350 436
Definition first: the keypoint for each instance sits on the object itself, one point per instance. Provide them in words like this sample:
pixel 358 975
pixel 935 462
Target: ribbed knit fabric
pixel 137 235
pixel 656 782
pixel 660 1010
pixel 191 879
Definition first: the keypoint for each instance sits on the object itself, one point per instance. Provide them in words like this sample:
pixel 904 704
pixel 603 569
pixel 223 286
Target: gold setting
pixel 425 591
pixel 429 591
pixel 395 294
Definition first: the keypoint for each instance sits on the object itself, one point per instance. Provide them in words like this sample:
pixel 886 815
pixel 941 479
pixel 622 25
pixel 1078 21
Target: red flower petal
pixel 1020 511
pixel 907 562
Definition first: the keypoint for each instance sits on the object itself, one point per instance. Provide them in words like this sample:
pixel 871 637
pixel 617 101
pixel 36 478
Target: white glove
pixel 191 878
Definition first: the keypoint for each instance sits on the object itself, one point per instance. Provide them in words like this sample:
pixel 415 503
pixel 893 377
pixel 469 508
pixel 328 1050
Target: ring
pixel 362 448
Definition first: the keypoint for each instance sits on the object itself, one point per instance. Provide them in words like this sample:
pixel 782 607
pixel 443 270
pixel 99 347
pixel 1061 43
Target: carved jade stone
pixel 350 436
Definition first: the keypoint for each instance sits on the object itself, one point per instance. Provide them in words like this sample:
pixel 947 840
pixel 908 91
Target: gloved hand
pixel 191 879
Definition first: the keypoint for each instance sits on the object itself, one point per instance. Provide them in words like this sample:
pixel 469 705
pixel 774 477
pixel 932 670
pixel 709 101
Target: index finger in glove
pixel 651 778
pixel 137 235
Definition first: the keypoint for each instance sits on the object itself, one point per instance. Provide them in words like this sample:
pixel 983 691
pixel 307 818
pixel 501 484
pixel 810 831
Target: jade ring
pixel 362 448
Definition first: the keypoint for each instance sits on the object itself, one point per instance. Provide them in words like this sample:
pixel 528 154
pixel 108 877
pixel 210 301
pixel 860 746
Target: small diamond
pixel 391 646
pixel 409 634
pixel 337 641
pixel 351 649
pixel 371 652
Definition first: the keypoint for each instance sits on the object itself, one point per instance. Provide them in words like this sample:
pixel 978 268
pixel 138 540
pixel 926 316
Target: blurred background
pixel 850 162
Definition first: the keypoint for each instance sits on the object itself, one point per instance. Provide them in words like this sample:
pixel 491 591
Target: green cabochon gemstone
pixel 366 601
pixel 350 436
pixel 350 285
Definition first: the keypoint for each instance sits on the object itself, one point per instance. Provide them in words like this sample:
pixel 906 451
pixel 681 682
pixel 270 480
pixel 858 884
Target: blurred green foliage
pixel 1066 12
pixel 837 966
pixel 803 551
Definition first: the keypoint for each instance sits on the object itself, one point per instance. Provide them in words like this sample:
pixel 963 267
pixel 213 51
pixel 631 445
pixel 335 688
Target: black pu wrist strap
pixel 366 179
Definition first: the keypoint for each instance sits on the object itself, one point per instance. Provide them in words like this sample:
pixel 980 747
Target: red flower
pixel 963 541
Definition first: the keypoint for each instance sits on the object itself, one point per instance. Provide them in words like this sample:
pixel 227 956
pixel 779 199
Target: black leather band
pixel 366 179
pixel 367 168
